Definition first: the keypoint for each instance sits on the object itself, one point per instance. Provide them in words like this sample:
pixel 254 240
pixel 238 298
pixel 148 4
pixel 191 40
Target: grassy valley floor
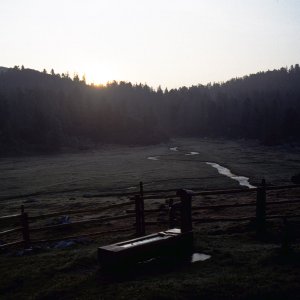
pixel 241 265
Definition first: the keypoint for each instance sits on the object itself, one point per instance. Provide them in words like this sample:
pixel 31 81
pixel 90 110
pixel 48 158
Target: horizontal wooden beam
pixel 241 219
pixel 97 220
pixel 221 206
pixel 283 202
pixel 283 187
pixel 82 235
pixel 225 219
pixel 11 244
pixel 98 209
pixel 282 216
pixel 10 231
pixel 4 218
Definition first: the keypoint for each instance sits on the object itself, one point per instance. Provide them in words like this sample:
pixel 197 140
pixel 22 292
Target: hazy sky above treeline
pixel 160 42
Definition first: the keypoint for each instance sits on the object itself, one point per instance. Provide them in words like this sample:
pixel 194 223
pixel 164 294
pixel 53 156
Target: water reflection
pixel 199 257
pixel 243 181
pixel 193 153
pixel 152 157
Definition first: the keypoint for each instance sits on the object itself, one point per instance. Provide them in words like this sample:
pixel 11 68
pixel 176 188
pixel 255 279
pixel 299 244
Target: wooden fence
pixel 138 212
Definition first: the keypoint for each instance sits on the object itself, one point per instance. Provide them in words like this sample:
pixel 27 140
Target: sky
pixel 171 43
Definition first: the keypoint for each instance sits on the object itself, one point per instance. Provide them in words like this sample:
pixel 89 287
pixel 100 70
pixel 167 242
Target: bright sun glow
pixel 101 75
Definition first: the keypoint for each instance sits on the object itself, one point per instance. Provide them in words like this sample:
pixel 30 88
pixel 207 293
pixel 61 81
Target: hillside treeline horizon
pixel 46 112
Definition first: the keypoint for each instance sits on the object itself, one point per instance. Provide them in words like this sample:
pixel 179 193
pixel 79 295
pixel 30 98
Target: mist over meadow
pixel 47 112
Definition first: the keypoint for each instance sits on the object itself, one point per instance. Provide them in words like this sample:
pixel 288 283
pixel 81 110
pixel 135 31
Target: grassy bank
pixel 241 267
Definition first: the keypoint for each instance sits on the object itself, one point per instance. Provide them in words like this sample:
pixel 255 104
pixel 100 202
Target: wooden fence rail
pixel 5 232
pixel 218 207
pixel 77 212
pixel 5 218
pixel 90 221
pixel 97 233
pixel 139 212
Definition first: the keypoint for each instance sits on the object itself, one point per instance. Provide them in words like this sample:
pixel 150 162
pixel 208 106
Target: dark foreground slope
pixel 46 112
pixel 240 268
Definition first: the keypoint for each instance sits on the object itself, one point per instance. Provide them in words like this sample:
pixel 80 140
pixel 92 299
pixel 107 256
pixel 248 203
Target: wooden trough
pixel 172 242
pixel 157 245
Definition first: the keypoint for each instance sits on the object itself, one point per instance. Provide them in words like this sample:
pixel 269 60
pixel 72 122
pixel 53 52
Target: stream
pixel 242 180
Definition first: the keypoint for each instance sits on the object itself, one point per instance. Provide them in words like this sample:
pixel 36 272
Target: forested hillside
pixel 45 112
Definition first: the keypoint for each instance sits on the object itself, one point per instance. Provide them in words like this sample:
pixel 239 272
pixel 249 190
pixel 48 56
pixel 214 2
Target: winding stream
pixel 242 180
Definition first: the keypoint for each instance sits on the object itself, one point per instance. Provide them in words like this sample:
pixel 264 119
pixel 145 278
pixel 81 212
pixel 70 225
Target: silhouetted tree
pixel 43 112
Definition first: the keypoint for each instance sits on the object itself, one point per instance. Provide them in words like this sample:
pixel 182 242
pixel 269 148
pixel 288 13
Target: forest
pixel 47 112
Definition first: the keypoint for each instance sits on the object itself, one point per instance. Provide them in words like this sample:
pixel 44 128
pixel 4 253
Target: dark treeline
pixel 45 112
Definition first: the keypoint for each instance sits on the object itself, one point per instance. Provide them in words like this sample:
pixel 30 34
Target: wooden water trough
pixel 174 241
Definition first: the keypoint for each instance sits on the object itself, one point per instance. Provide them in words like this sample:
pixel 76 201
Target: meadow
pixel 169 165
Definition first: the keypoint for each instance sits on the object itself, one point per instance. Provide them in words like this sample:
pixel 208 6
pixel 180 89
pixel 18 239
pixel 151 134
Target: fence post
pixel 139 216
pixel 286 236
pixel 261 209
pixel 25 228
pixel 143 229
pixel 171 214
pixel 186 210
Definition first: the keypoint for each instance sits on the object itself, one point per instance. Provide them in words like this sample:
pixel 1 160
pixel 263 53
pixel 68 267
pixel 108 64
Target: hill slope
pixel 44 112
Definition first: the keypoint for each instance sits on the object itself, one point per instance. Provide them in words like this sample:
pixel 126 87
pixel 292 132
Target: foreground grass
pixel 240 268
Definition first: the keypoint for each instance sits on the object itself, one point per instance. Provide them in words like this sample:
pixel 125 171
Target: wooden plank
pixel 282 216
pixel 207 220
pixel 283 202
pixel 97 220
pixel 158 197
pixel 241 204
pixel 98 209
pixel 83 235
pixel 212 220
pixel 10 231
pixel 203 193
pixel 283 187
pixel 198 191
pixel 156 222
pixel 4 218
pixel 225 219
pixel 11 244
pixel 149 211
pixel 224 192
pixel 223 206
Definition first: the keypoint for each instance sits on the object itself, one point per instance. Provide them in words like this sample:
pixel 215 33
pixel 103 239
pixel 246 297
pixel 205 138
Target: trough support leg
pixel 25 228
pixel 261 209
